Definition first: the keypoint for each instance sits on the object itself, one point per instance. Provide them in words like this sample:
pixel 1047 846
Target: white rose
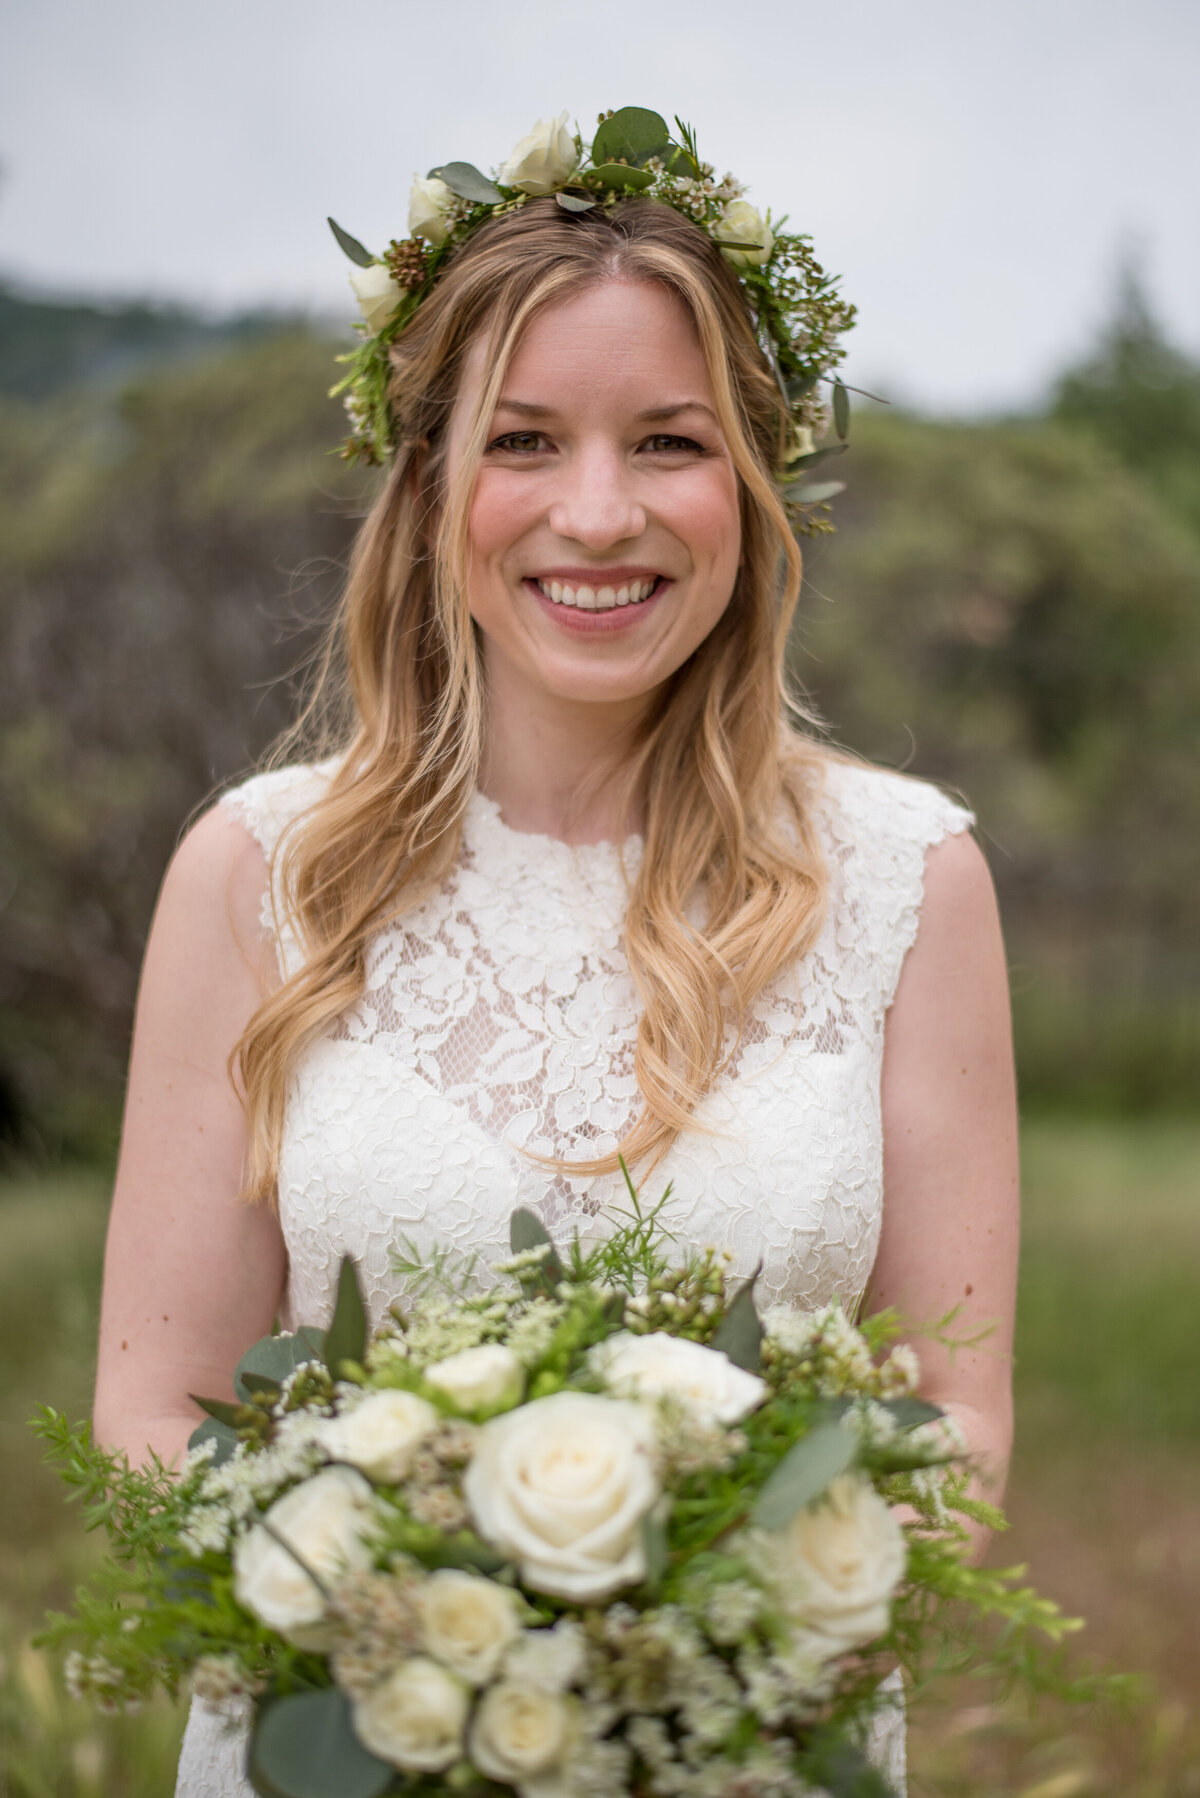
pixel 562 1485
pixel 377 294
pixel 414 1719
pixel 741 223
pixel 518 1733
pixel 543 160
pixel 486 1378
pixel 327 1521
pixel 429 199
pixel 381 1434
pixel 467 1622
pixel 663 1366
pixel 839 1562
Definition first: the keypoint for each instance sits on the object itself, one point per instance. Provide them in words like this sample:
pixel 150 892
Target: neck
pixel 548 762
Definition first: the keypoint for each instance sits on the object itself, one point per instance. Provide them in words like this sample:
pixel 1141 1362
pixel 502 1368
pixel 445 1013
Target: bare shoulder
pixel 959 917
pixel 213 895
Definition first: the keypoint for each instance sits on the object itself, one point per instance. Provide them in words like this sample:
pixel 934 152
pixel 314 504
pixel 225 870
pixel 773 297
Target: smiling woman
pixel 573 880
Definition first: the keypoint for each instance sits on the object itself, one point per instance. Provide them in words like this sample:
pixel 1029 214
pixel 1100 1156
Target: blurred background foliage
pixel 1009 607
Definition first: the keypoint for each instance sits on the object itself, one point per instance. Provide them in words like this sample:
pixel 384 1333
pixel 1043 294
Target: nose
pixel 596 501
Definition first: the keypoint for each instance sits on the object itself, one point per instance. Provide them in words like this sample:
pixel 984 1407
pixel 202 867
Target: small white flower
pixel 487 1378
pixel 467 1622
pixel 518 1733
pixel 553 1659
pixel 326 1521
pixel 429 201
pixel 742 223
pixel 381 1434
pixel 543 160
pixel 414 1719
pixel 662 1366
pixel 377 294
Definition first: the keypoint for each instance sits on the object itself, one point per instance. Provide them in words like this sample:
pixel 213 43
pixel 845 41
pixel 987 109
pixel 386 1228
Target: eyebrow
pixel 654 414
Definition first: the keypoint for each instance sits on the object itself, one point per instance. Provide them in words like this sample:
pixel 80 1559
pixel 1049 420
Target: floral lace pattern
pixel 499 1017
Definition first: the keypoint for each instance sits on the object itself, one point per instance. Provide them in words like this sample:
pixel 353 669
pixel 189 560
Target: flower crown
pixel 798 316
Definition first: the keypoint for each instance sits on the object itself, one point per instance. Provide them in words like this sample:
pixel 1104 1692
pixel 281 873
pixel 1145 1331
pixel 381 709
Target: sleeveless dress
pixel 500 1014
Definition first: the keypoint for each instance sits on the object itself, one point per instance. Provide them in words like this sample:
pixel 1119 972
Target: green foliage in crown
pixel 798 316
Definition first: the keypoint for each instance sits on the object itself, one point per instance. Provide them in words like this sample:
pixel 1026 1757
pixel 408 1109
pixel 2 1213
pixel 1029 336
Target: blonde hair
pixel 721 782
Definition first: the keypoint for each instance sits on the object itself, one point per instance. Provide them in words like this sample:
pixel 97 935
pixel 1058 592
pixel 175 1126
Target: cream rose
pixel 487 1378
pixel 377 294
pixel 741 223
pixel 429 200
pixel 838 1563
pixel 518 1733
pixel 543 160
pixel 467 1622
pixel 563 1485
pixel 414 1719
pixel 326 1521
pixel 662 1366
pixel 381 1434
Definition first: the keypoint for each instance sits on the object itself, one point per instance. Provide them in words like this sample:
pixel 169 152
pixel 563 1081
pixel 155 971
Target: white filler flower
pixel 429 200
pixel 562 1485
pixel 714 1390
pixel 741 223
pixel 487 1378
pixel 381 1434
pixel 543 160
pixel 518 1733
pixel 414 1719
pixel 838 1563
pixel 326 1521
pixel 467 1622
pixel 377 294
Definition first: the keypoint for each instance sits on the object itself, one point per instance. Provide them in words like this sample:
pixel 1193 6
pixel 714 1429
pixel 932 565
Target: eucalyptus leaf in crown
pixel 798 316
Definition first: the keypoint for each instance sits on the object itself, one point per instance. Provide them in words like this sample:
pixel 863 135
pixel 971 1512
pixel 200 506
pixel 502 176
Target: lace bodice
pixel 499 1016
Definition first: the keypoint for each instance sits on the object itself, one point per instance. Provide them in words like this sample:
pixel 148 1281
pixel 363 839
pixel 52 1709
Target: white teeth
pixel 606 599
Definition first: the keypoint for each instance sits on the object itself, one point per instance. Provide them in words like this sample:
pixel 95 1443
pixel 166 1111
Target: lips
pixel 606 597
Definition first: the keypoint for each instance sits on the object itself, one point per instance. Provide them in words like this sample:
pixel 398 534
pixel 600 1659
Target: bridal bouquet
pixel 597 1529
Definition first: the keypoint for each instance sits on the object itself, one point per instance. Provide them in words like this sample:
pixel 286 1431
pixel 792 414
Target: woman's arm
pixel 192 1274
pixel 950 1215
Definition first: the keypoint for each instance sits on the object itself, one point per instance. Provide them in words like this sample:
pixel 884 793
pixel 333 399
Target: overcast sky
pixel 972 168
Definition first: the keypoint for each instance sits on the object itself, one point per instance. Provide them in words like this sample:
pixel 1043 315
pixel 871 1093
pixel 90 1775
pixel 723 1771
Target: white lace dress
pixel 500 1015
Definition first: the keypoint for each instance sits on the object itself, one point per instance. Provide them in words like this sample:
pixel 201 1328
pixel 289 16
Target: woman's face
pixel 604 526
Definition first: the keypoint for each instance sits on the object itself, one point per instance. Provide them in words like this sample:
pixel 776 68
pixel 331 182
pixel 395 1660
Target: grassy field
pixel 1104 1499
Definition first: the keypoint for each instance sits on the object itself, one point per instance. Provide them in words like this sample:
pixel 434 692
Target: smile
pixel 598 599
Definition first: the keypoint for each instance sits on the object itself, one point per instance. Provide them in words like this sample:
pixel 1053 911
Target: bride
pixel 569 881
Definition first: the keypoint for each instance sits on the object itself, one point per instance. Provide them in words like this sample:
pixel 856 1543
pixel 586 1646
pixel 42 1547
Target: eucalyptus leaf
pixel 304 1746
pixel 465 180
pixel 820 455
pixel 654 1543
pixel 357 252
pixel 574 202
pixel 220 1409
pixel 841 1769
pixel 812 496
pixel 526 1231
pixel 346 1338
pixel 841 410
pixel 798 385
pixel 909 1412
pixel 741 1333
pixel 277 1357
pixel 620 174
pixel 222 1434
pixel 632 132
pixel 804 1474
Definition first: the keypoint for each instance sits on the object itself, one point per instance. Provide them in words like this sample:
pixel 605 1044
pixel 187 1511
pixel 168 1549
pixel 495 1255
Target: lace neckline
pixel 485 828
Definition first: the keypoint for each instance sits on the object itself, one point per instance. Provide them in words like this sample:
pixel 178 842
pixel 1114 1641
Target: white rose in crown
pixel 519 1735
pixel 377 294
pixel 381 1434
pixel 656 1366
pixel 488 1378
pixel 741 223
pixel 838 1563
pixel 563 1486
pixel 414 1719
pixel 327 1521
pixel 467 1622
pixel 429 200
pixel 544 159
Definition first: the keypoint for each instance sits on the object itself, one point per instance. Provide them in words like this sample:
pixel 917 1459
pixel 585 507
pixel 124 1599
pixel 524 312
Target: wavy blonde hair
pixel 719 780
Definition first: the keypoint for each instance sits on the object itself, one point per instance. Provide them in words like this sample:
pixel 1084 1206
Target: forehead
pixel 618 342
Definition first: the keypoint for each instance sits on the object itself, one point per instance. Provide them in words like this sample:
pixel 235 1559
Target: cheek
pixel 501 510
